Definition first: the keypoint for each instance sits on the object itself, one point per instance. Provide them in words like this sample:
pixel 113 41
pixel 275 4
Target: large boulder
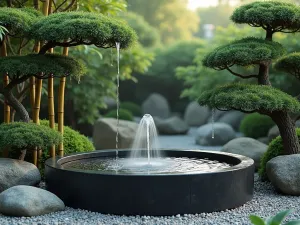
pixel 247 147
pixel 233 118
pixel 196 115
pixel 173 125
pixel 29 201
pixel 105 130
pixel 222 134
pixel 274 131
pixel 284 173
pixel 15 172
pixel 156 105
pixel 218 114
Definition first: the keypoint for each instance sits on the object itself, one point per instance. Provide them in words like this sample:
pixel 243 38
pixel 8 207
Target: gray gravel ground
pixel 265 202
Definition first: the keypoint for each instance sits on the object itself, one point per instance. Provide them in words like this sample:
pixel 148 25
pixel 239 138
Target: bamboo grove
pixel 44 32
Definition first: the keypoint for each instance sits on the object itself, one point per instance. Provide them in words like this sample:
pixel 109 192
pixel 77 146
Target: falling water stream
pixel 212 123
pixel 148 142
pixel 118 100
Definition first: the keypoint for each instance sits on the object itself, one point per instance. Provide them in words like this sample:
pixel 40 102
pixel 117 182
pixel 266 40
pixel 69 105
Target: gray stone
pixel 110 102
pixel 247 147
pixel 218 114
pixel 156 105
pixel 173 125
pixel 105 130
pixel 274 131
pixel 264 140
pixel 29 201
pixel 15 172
pixel 196 115
pixel 222 134
pixel 233 118
pixel 284 173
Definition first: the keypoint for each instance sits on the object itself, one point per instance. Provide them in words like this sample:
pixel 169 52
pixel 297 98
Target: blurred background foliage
pixel 174 35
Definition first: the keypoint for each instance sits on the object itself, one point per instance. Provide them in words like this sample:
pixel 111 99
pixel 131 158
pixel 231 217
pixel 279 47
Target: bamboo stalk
pixel 61 100
pixel 38 94
pixel 5 82
pixel 5 152
pixel 32 83
pixel 51 113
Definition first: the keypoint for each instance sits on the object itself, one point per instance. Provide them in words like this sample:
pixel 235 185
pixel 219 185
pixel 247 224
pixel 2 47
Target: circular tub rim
pixel 57 162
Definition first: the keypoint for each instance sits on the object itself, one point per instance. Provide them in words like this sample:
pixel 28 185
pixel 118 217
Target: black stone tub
pixel 153 194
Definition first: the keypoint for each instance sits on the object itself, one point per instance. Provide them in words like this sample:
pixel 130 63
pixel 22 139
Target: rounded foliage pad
pixel 41 66
pixel 18 21
pixel 270 15
pixel 83 28
pixel 249 98
pixel 244 52
pixel 20 135
pixel 290 64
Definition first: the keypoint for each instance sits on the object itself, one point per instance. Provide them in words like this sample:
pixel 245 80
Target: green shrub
pixel 275 149
pixel 274 220
pixel 73 140
pixel 19 136
pixel 256 125
pixel 135 109
pixel 124 114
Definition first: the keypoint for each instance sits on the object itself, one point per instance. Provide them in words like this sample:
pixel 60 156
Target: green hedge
pixel 256 125
pixel 275 149
pixel 135 109
pixel 124 114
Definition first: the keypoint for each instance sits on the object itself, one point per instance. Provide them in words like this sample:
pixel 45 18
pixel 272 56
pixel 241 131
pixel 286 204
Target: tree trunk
pixel 287 131
pixel 13 101
pixel 263 74
pixel 9 3
pixel 269 35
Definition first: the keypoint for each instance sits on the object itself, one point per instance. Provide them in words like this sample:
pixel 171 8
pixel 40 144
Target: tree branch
pixel 59 6
pixel 69 6
pixel 241 76
pixel 52 44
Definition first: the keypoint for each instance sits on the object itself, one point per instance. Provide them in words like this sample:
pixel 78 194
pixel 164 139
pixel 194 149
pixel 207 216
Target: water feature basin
pixel 152 193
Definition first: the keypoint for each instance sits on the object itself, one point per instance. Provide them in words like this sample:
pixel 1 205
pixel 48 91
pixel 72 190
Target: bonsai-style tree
pixel 64 29
pixel 273 17
pixel 20 137
pixel 21 68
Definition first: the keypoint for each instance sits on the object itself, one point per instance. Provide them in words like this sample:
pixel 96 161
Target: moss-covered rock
pixel 275 149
